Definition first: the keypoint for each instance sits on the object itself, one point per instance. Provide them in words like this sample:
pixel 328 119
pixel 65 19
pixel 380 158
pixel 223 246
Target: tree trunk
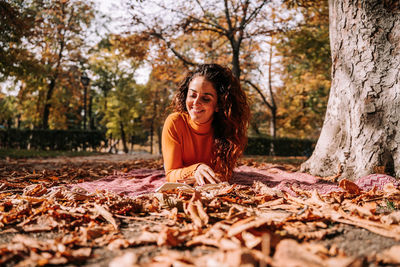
pixel 151 135
pixel 235 61
pixel 47 106
pixel 91 119
pixel 132 141
pixel 159 136
pixel 123 138
pixel 271 105
pixel 84 106
pixel 50 91
pixel 360 133
pixel 272 126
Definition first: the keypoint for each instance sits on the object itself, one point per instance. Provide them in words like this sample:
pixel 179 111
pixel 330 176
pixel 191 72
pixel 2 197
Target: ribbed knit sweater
pixel 185 145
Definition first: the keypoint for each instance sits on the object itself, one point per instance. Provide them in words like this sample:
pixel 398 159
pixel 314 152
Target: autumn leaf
pixel 349 186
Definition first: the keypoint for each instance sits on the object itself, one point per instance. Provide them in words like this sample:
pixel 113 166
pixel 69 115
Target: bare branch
pixel 173 50
pixel 245 21
pixel 195 19
pixel 260 93
pixel 228 16
pixel 199 29
pixel 202 8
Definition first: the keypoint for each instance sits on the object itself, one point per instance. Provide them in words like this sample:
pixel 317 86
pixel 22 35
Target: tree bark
pixel 47 106
pixel 53 79
pixel 272 126
pixel 151 135
pixel 123 137
pixel 360 133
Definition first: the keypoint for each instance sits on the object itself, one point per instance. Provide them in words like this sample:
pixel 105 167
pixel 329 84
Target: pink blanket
pixel 141 181
pixel 285 181
pixel 133 183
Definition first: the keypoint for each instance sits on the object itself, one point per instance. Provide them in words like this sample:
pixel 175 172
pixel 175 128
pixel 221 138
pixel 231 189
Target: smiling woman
pixel 201 101
pixel 206 134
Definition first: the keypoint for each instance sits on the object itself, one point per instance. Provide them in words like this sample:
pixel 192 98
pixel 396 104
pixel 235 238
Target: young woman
pixel 206 134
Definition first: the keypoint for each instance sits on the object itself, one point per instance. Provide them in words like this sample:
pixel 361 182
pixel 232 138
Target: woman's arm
pixel 172 152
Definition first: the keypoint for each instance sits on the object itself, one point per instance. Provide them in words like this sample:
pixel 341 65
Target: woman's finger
pixel 211 172
pixel 208 176
pixel 217 179
pixel 199 179
pixel 205 174
pixel 190 180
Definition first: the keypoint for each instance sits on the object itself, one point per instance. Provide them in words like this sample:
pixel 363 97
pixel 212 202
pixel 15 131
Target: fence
pixel 72 140
pixel 52 139
pixel 279 146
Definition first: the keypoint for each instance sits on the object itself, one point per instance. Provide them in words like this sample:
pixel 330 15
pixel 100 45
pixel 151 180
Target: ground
pixel 39 226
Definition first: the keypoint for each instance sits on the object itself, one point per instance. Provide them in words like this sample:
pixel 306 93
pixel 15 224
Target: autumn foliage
pixel 281 61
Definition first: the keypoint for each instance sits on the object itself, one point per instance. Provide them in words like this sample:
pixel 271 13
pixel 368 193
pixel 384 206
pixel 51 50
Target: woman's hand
pixel 205 175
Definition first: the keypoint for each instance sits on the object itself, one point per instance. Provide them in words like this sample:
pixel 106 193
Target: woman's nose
pixel 196 101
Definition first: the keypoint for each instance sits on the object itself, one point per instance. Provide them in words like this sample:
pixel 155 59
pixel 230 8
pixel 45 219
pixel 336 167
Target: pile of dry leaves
pixel 213 225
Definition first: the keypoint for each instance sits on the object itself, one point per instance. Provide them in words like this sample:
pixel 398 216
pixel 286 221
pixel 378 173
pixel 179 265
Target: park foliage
pixel 279 49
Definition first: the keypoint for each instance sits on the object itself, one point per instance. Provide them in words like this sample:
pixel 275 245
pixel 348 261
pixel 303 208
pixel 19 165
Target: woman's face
pixel 201 100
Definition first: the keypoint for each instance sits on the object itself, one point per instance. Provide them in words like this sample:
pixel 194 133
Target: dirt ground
pixel 354 241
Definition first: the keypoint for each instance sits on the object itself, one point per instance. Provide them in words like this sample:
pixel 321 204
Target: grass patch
pixel 23 153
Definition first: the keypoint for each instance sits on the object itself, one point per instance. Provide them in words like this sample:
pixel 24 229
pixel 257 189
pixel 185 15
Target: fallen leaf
pixel 250 240
pixel 106 215
pixel 289 253
pixel 349 186
pixel 194 208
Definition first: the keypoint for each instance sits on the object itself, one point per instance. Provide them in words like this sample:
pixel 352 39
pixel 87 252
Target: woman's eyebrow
pixel 204 93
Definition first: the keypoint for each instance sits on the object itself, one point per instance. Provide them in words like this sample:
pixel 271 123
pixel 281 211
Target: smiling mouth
pixel 197 111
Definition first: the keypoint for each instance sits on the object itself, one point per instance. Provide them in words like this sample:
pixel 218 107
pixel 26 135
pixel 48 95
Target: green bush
pixel 51 139
pixel 282 146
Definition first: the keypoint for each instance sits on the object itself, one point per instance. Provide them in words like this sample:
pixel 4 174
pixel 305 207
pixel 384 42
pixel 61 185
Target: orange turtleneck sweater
pixel 185 144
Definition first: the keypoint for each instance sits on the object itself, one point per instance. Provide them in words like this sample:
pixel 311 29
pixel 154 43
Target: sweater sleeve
pixel 172 152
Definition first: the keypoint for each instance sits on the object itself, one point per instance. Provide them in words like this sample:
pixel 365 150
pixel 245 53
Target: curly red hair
pixel 231 121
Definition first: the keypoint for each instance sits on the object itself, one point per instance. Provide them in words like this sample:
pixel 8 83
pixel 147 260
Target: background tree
pixel 102 80
pixel 58 45
pixel 167 71
pixel 119 101
pixel 122 114
pixel 169 38
pixel 360 131
pixel 235 23
pixel 304 53
pixel 17 20
pixel 269 101
pixel 225 32
pixel 8 110
pixel 161 88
